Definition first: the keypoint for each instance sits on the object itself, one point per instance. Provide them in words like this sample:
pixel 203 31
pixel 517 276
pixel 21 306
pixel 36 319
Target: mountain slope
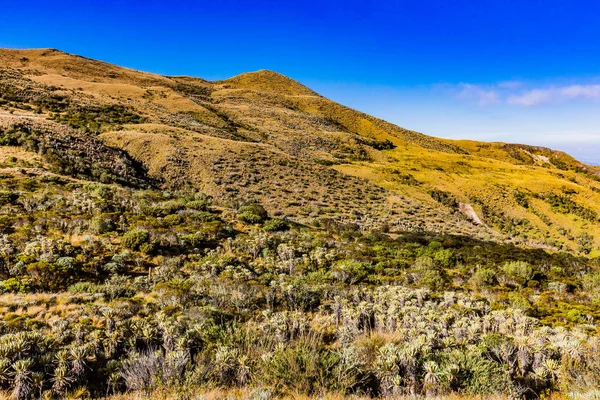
pixel 264 136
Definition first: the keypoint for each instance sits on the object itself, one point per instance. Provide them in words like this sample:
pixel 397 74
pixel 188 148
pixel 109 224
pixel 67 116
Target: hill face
pixel 262 136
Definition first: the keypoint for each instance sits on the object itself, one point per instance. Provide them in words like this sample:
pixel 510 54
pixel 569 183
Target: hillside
pixel 172 237
pixel 262 135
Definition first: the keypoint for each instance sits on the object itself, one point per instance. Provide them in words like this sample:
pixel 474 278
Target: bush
pixel 195 239
pixel 113 268
pixel 15 285
pixel 203 216
pixel 302 367
pixel 135 238
pixel 352 272
pixel 252 214
pixel 249 218
pixel 165 208
pixel 273 225
pixel 6 224
pixel 591 285
pixel 444 258
pixel 444 198
pixel 517 273
pixel 426 273
pixel 7 197
pixel 483 277
pixel 51 276
pixel 117 287
pixel 100 225
pixel 200 205
pixel 147 248
pixel 173 220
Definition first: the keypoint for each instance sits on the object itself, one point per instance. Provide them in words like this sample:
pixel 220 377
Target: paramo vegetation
pixel 108 289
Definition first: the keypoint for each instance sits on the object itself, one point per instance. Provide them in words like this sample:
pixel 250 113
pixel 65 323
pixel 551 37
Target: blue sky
pixel 519 71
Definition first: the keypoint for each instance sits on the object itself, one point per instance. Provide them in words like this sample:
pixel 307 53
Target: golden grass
pixel 248 394
pixel 492 181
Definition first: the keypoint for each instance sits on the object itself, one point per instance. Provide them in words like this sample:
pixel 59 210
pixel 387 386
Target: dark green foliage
pixel 521 198
pixel 200 205
pixel 444 198
pixel 564 205
pixel 173 220
pixel 274 225
pixel 77 155
pixel 195 239
pixel 94 118
pixel 405 179
pixel 378 144
pixel 7 197
pixel 15 285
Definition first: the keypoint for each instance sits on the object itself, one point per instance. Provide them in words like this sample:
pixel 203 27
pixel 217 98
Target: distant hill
pixel 266 137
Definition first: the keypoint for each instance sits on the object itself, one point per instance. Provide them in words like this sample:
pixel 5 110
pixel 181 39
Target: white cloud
pixel 483 96
pixel 530 98
pixel 555 94
pixel 521 94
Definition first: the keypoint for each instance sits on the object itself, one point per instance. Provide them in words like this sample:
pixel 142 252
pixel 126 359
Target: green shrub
pixel 173 220
pixel 49 275
pixel 517 273
pixel 352 272
pixel 252 214
pixel 203 216
pixel 118 287
pixel 591 285
pixel 427 273
pixel 113 268
pixel 275 224
pixel 135 238
pixel 165 208
pixel 444 258
pixel 147 248
pixel 200 205
pixel 249 218
pixel 6 224
pixel 15 285
pixel 65 264
pixel 301 367
pixel 474 373
pixel 483 277
pixel 101 225
pixel 195 239
pixel 444 198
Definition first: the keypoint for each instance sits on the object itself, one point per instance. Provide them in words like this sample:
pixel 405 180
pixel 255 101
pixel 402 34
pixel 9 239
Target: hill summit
pixel 268 81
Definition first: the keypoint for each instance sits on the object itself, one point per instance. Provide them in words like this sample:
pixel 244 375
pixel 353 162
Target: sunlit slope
pixel 263 136
pixel 534 204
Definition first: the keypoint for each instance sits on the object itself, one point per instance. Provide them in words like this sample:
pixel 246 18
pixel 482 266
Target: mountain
pixel 265 137
pixel 171 237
